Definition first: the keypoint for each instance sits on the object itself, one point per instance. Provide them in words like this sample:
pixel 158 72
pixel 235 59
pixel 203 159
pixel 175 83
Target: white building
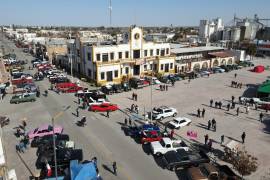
pixel 210 30
pixel 108 64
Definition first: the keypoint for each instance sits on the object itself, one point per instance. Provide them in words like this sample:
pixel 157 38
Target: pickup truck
pixel 166 144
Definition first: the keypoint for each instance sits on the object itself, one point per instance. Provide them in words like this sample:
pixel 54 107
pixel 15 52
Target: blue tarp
pixel 82 171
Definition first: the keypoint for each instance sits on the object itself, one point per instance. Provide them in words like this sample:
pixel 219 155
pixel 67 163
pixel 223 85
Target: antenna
pixel 110 11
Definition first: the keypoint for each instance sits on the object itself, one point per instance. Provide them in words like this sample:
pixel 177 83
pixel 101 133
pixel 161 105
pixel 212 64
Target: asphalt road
pixel 102 137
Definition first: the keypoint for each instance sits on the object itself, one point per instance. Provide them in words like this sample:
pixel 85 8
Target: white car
pixel 218 70
pixel 179 122
pixel 163 112
pixel 99 102
pixel 155 80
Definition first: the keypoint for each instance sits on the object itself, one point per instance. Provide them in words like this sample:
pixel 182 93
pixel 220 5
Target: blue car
pixel 137 130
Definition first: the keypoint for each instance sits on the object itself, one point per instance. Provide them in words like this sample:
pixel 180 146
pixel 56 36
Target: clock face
pixel 137 36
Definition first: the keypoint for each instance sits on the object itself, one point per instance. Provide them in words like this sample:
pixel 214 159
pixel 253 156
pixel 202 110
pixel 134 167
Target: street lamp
pixel 54 146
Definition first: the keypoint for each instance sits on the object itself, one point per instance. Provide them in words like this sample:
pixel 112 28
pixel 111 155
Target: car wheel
pixel 174 114
pixel 188 124
pixel 178 127
pixel 161 118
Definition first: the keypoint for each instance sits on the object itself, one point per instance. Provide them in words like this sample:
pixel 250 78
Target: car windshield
pixel 162 143
pixel 175 121
pixel 159 110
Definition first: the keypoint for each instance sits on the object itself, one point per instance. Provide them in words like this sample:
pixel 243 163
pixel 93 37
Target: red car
pixel 68 87
pixel 104 107
pixel 265 107
pixel 22 80
pixel 150 136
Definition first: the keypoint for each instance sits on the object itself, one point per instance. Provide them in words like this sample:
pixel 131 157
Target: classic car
pixel 26 97
pixel 150 136
pixel 104 107
pixel 44 130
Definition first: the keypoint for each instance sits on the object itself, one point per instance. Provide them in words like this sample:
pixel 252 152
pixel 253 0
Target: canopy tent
pixel 82 171
pixel 264 88
pixel 258 69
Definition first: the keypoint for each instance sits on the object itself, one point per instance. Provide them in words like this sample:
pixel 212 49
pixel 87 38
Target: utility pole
pixel 71 58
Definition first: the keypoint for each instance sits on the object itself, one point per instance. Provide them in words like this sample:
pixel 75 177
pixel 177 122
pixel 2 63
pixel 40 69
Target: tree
pixel 244 163
pixel 251 50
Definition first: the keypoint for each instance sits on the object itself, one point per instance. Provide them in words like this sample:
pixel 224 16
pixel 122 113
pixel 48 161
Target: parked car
pixel 179 122
pixel 174 77
pixel 180 158
pixel 165 79
pixel 152 80
pixel 218 70
pixel 107 89
pixel 138 83
pixel 49 146
pixel 22 80
pixel 20 98
pixel 44 130
pixel 225 68
pixel 265 107
pixel 126 86
pixel 163 112
pixel 48 138
pixel 204 73
pixel 104 107
pixel 166 144
pixel 150 136
pixel 68 87
pixel 117 88
pixel 98 102
pixel 136 131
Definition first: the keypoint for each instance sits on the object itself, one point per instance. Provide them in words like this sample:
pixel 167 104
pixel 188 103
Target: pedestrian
pixel 189 80
pixel 211 102
pixel 166 86
pixel 240 100
pixel 125 120
pixel 108 114
pixel 114 168
pixel 77 111
pixel 203 113
pixel 79 100
pixel 233 105
pixel 220 104
pixel 228 106
pixel 210 143
pixel 132 107
pixel 216 104
pixel 160 87
pixel 235 75
pixel 214 124
pixel 222 139
pixel 261 116
pixel 24 125
pixel 209 125
pixel 133 96
pixel 130 121
pixel 206 139
pixel 256 106
pixel 173 83
pixel 237 111
pixel 172 133
pixel 136 96
pixel 243 136
pixel 199 113
pixel 233 98
pixel 137 109
pixel 38 93
pixel 247 109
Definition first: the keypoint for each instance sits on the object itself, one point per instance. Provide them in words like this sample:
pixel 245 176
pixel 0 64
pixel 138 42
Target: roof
pixel 82 171
pixel 222 54
pixel 195 49
pixel 264 88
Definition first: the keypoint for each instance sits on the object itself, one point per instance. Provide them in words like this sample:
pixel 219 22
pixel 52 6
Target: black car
pixel 107 89
pixel 136 83
pixel 126 86
pixel 226 68
pixel 48 138
pixel 173 160
pixel 47 146
pixel 59 80
pixel 117 88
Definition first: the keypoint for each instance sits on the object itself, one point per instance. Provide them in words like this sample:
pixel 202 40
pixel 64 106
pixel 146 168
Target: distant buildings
pixel 211 30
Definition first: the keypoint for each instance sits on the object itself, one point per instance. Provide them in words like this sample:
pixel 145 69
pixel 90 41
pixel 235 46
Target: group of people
pixel 134 108
pixel 163 87
pixel 24 141
pixel 200 113
pixel 236 84
pixel 212 124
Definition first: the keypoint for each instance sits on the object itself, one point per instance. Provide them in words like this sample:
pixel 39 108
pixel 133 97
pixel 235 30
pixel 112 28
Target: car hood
pixel 156 145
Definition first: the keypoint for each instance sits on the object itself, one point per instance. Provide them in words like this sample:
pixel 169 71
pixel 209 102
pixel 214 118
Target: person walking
pixel 228 106
pixel 220 104
pixel 79 100
pixel 233 98
pixel 126 120
pixel 24 125
pixel 77 112
pixel 108 114
pixel 198 112
pixel 211 102
pixel 209 125
pixel 243 136
pixel 235 75
pixel 203 113
pixel 166 87
pixel 206 139
pixel 247 109
pixel 136 96
pixel 210 143
pixel 222 139
pixel 237 111
pixel 261 117
pixel 214 124
pixel 172 133
pixel 129 121
pixel 114 168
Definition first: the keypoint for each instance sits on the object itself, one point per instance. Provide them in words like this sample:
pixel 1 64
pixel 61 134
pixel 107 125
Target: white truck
pixel 159 148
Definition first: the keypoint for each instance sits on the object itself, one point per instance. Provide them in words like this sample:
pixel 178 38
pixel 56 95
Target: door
pixel 166 67
pixel 136 70
pixel 109 76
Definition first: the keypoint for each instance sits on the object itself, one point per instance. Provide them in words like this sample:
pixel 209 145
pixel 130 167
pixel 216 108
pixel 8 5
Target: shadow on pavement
pixel 200 125
pixel 250 91
pixel 107 168
pixel 146 148
pixel 266 122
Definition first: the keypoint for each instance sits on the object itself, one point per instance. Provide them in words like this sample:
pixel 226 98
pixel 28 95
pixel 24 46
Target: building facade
pixel 108 64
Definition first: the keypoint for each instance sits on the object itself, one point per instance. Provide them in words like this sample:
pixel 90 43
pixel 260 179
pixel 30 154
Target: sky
pixel 127 12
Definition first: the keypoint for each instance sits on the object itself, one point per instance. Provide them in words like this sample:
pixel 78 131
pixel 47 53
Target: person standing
pixel 77 112
pixel 247 109
pixel 172 133
pixel 214 124
pixel 233 98
pixel 222 139
pixel 203 113
pixel 206 139
pixel 136 96
pixel 79 100
pixel 130 121
pixel 243 137
pixel 114 168
pixel 261 117
pixel 209 125
pixel 237 111
pixel 210 143
pixel 211 102
pixel 133 96
pixel 108 114
pixel 220 104
pixel 228 106
pixel 24 125
pixel 125 120
pixel 198 112
pixel 235 75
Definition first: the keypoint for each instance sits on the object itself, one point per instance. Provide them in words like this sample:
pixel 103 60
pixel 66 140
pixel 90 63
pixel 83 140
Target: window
pixel 151 66
pixel 167 50
pixel 126 55
pixel 78 53
pixel 89 56
pixel 145 67
pixel 112 56
pixel 157 52
pixel 105 57
pixel 162 52
pixel 119 55
pixel 116 73
pixel 102 75
pixel 89 73
pixel 162 67
pixel 98 57
pixel 171 65
pixel 136 54
pixel 127 70
pixel 151 52
pixel 145 52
